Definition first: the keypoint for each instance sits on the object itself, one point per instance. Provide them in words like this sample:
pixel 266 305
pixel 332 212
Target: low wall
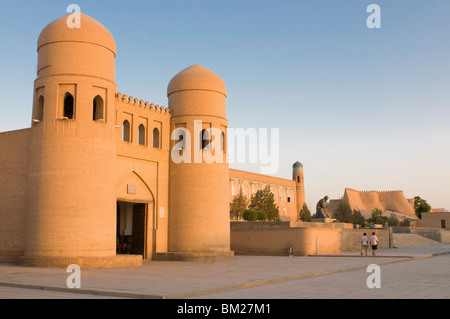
pixel 351 238
pixel 303 240
pixel 445 236
pixel 276 241
pixel 431 233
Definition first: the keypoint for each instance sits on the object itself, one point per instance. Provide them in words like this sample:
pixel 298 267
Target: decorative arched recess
pixel 255 188
pixel 282 194
pixel 246 189
pixel 133 181
pixel 234 188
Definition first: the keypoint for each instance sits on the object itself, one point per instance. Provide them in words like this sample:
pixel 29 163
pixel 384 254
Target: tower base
pixel 118 261
pixel 194 256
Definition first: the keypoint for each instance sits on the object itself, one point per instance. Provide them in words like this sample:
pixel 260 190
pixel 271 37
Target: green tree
pixel 264 201
pixel 377 217
pixel 358 218
pixel 305 214
pixel 238 206
pixel 405 222
pixel 421 206
pixel 262 216
pixel 250 215
pixel 343 212
pixel 393 220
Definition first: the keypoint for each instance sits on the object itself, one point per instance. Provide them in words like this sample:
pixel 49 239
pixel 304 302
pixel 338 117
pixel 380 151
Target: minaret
pixel 297 176
pixel 199 219
pixel 72 206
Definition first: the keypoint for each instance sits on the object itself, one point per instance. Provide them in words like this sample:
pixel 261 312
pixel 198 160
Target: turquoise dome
pixel 297 164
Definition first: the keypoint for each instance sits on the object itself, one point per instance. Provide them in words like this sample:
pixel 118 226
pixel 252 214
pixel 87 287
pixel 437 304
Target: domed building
pixel 102 179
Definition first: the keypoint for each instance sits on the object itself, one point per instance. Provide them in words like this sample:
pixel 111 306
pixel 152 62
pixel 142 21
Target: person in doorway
pixel 364 245
pixel 374 243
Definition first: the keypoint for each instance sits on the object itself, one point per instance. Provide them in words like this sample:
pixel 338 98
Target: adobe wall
pixel 254 182
pixel 434 233
pixel 445 236
pixel 276 241
pixel 13 196
pixel 351 238
pixel 253 240
pixel 434 220
pixel 394 201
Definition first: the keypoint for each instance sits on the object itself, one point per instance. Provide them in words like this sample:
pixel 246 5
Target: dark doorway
pixel 131 228
pixel 443 223
pixel 138 238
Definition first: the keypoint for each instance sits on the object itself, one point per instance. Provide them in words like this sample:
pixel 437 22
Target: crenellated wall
pixel 393 201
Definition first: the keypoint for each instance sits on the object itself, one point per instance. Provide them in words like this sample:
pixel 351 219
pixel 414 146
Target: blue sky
pixel 362 108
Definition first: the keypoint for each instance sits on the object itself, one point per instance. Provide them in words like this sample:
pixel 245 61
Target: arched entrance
pixel 135 217
pixel 132 228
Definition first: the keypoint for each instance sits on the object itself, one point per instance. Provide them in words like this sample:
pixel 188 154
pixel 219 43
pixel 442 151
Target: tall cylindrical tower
pixel 199 219
pixel 72 205
pixel 297 176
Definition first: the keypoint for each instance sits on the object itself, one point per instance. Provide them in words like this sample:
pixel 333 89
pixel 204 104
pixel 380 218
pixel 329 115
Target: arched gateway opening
pixel 135 217
pixel 132 219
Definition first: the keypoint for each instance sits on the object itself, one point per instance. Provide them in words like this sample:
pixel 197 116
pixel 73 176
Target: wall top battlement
pixel 142 104
pixel 381 192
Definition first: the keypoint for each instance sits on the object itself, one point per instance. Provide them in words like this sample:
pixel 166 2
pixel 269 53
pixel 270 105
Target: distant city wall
pixel 393 201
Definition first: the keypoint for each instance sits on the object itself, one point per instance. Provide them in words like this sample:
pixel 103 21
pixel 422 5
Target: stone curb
pixel 81 291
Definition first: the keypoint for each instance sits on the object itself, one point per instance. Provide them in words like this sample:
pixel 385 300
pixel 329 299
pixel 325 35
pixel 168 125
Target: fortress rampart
pixel 393 201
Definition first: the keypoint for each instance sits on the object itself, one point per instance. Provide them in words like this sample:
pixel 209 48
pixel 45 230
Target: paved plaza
pixel 412 272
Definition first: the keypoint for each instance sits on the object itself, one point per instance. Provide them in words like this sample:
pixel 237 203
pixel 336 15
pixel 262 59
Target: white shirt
pixel 364 240
pixel 373 240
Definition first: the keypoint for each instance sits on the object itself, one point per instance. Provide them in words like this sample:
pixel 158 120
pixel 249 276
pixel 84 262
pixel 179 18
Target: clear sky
pixel 362 108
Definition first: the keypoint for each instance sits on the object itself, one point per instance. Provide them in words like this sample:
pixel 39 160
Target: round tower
pixel 72 205
pixel 297 176
pixel 199 221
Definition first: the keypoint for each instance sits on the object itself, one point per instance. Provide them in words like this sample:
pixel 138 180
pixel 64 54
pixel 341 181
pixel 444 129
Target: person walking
pixel 374 243
pixel 364 245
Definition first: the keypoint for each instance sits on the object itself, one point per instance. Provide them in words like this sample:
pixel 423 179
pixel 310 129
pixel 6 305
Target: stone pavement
pixel 411 272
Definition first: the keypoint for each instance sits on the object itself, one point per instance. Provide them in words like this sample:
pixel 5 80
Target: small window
pixel 298 179
pixel 98 109
pixel 142 135
pixel 68 112
pixel 126 131
pixel 156 138
pixel 222 141
pixel 40 109
pixel 182 142
pixel 205 139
